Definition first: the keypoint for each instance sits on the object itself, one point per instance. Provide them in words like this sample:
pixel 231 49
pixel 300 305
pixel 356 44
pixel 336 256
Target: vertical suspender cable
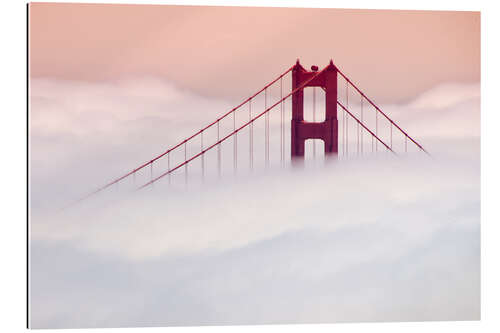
pixel 218 148
pixel 151 170
pixel 347 119
pixel 168 165
pixel 376 129
pixel 266 128
pixel 282 134
pixel 185 165
pixel 391 134
pixel 361 122
pixel 235 142
pixel 202 158
pixel 284 129
pixel 314 120
pixel 357 138
pixel 343 132
pixel 372 144
pixel 347 134
pixel 250 143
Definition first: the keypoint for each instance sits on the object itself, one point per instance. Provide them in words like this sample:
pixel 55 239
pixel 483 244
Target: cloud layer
pixel 367 239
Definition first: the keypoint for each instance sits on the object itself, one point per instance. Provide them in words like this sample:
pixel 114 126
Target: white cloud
pixel 165 221
pixel 447 95
pixel 369 239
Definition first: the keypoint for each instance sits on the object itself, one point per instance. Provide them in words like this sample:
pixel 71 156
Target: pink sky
pixel 233 51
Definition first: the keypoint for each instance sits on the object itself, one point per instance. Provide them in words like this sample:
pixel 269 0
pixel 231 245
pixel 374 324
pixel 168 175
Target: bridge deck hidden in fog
pixel 353 124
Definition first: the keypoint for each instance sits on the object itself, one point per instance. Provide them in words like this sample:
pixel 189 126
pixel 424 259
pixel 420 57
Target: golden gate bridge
pixel 353 125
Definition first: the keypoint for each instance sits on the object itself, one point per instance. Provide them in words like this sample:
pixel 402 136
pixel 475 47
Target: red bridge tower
pixel 303 130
